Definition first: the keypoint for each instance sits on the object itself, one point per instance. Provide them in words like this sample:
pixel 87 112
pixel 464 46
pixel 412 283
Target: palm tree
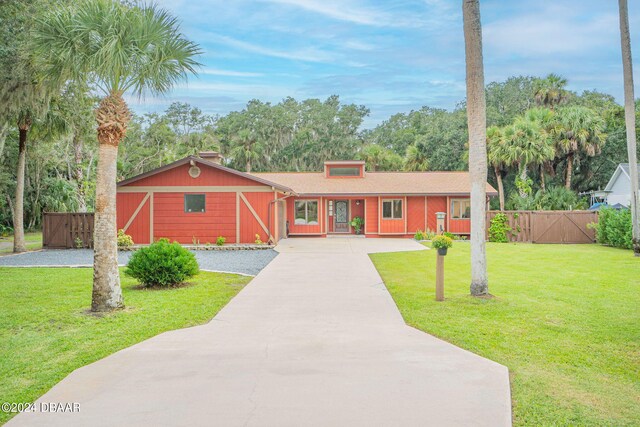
pixel 526 144
pixel 630 121
pixel 579 130
pixel 550 91
pixel 477 124
pixel 379 158
pixel 247 149
pixel 497 155
pixel 417 158
pixel 545 117
pixel 119 49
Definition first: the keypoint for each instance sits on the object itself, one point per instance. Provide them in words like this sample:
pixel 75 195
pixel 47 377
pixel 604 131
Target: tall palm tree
pixel 550 91
pixel 119 49
pixel 526 144
pixel 247 150
pixel 545 117
pixel 417 158
pixel 498 157
pixel 630 121
pixel 477 124
pixel 579 130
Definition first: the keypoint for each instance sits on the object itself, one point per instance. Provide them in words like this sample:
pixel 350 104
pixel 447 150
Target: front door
pixel 341 217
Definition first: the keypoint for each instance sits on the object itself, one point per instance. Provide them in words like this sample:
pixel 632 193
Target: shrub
pixel 499 229
pixel 357 222
pixel 162 264
pixel 555 198
pixel 419 235
pixel 614 228
pixel 258 240
pixel 429 234
pixel 220 240
pixel 124 240
pixel 449 235
pixel 441 242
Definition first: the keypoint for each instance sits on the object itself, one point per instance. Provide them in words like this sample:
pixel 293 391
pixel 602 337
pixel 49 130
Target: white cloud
pixel 309 54
pixel 218 72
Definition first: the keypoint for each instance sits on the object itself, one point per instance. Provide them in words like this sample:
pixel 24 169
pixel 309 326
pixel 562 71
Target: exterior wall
pixel 620 191
pixel 126 206
pixel 356 210
pixel 179 176
pixel 393 226
pixel 219 219
pixel 457 226
pixel 306 229
pixel 249 225
pixel 416 214
pixel 435 204
pixel 371 215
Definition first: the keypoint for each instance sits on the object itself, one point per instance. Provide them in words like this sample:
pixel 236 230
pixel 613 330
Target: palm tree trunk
pixel 18 212
pixel 569 171
pixel 543 185
pixel 523 181
pixel 500 187
pixel 477 124
pixel 248 167
pixel 630 121
pixel 112 116
pixel 4 130
pixel 79 173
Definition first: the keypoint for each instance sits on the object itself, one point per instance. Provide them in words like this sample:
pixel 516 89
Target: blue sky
pixel 392 56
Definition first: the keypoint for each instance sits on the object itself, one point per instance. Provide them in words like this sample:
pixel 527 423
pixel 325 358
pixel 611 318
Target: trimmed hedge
pixel 162 264
pixel 614 228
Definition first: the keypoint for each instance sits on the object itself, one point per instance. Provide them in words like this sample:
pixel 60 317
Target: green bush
pixel 553 199
pixel 614 228
pixel 162 264
pixel 124 240
pixel 499 229
pixel 449 235
pixel 419 235
pixel 441 242
pixel 220 240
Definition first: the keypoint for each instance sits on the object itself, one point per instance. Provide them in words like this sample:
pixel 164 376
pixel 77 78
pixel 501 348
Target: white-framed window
pixel 306 212
pixel 392 209
pixel 460 208
pixel 344 171
pixel 194 203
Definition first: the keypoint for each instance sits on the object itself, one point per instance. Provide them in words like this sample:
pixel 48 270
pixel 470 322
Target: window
pixel 194 203
pixel 460 208
pixel 306 212
pixel 349 171
pixel 392 209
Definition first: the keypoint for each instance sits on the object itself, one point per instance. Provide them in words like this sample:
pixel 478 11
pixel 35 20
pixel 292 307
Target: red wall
pixel 393 226
pixel 356 211
pixel 249 226
pixel 305 229
pixel 416 214
pixel 126 204
pixel 435 204
pixel 460 226
pixel 371 217
pixel 208 176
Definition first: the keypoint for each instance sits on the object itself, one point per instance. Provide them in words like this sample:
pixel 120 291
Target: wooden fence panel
pixel 548 226
pixel 67 230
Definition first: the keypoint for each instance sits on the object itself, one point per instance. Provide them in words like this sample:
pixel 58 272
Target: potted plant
pixel 441 243
pixel 357 222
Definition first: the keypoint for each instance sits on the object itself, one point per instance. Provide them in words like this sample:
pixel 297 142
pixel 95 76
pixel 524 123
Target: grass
pixel 33 241
pixel 46 332
pixel 565 320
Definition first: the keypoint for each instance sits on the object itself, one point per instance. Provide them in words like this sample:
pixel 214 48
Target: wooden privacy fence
pixel 67 230
pixel 548 226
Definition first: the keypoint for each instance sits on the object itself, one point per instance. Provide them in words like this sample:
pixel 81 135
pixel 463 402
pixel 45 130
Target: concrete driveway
pixel 314 340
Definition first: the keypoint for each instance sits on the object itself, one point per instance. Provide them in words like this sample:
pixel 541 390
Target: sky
pixel 391 56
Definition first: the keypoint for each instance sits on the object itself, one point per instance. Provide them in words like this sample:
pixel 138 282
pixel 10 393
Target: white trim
pixel 193 189
pixel 306 212
pixel 404 216
pixel 136 212
pixel 255 215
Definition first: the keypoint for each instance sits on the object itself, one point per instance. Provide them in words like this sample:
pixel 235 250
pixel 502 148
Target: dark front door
pixel 341 217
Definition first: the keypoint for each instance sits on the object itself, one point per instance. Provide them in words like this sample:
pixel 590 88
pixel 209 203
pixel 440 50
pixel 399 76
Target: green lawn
pixel 46 332
pixel 565 320
pixel 33 241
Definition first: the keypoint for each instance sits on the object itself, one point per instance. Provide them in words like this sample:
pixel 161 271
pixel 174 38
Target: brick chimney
pixel 212 156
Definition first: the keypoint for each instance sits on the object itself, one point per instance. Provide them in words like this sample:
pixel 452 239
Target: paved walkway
pixel 314 340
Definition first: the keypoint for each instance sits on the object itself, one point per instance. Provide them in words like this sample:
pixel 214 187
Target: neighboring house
pixel 618 190
pixel 196 199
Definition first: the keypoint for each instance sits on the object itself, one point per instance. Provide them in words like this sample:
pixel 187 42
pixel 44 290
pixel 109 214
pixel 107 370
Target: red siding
pixel 180 176
pixel 416 214
pixel 356 210
pixel 371 217
pixel 460 226
pixel 126 204
pixel 435 204
pixel 393 226
pixel 249 226
pixel 219 218
pixel 304 229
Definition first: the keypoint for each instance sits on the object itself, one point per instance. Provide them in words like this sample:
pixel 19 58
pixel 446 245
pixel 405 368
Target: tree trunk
pixel 477 124
pixel 4 130
pixel 248 166
pixel 79 173
pixel 569 171
pixel 543 185
pixel 630 121
pixel 18 210
pixel 523 182
pixel 500 187
pixel 112 116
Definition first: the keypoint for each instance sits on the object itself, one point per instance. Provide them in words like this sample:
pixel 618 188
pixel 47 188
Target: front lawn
pixel 46 332
pixel 33 241
pixel 565 320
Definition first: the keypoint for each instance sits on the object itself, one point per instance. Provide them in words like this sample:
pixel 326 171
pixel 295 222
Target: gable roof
pixel 206 163
pixel 622 169
pixel 377 183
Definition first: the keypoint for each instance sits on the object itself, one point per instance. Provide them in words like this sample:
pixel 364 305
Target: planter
pixel 442 251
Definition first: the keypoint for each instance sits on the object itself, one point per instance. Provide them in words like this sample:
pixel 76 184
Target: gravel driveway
pixel 244 262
